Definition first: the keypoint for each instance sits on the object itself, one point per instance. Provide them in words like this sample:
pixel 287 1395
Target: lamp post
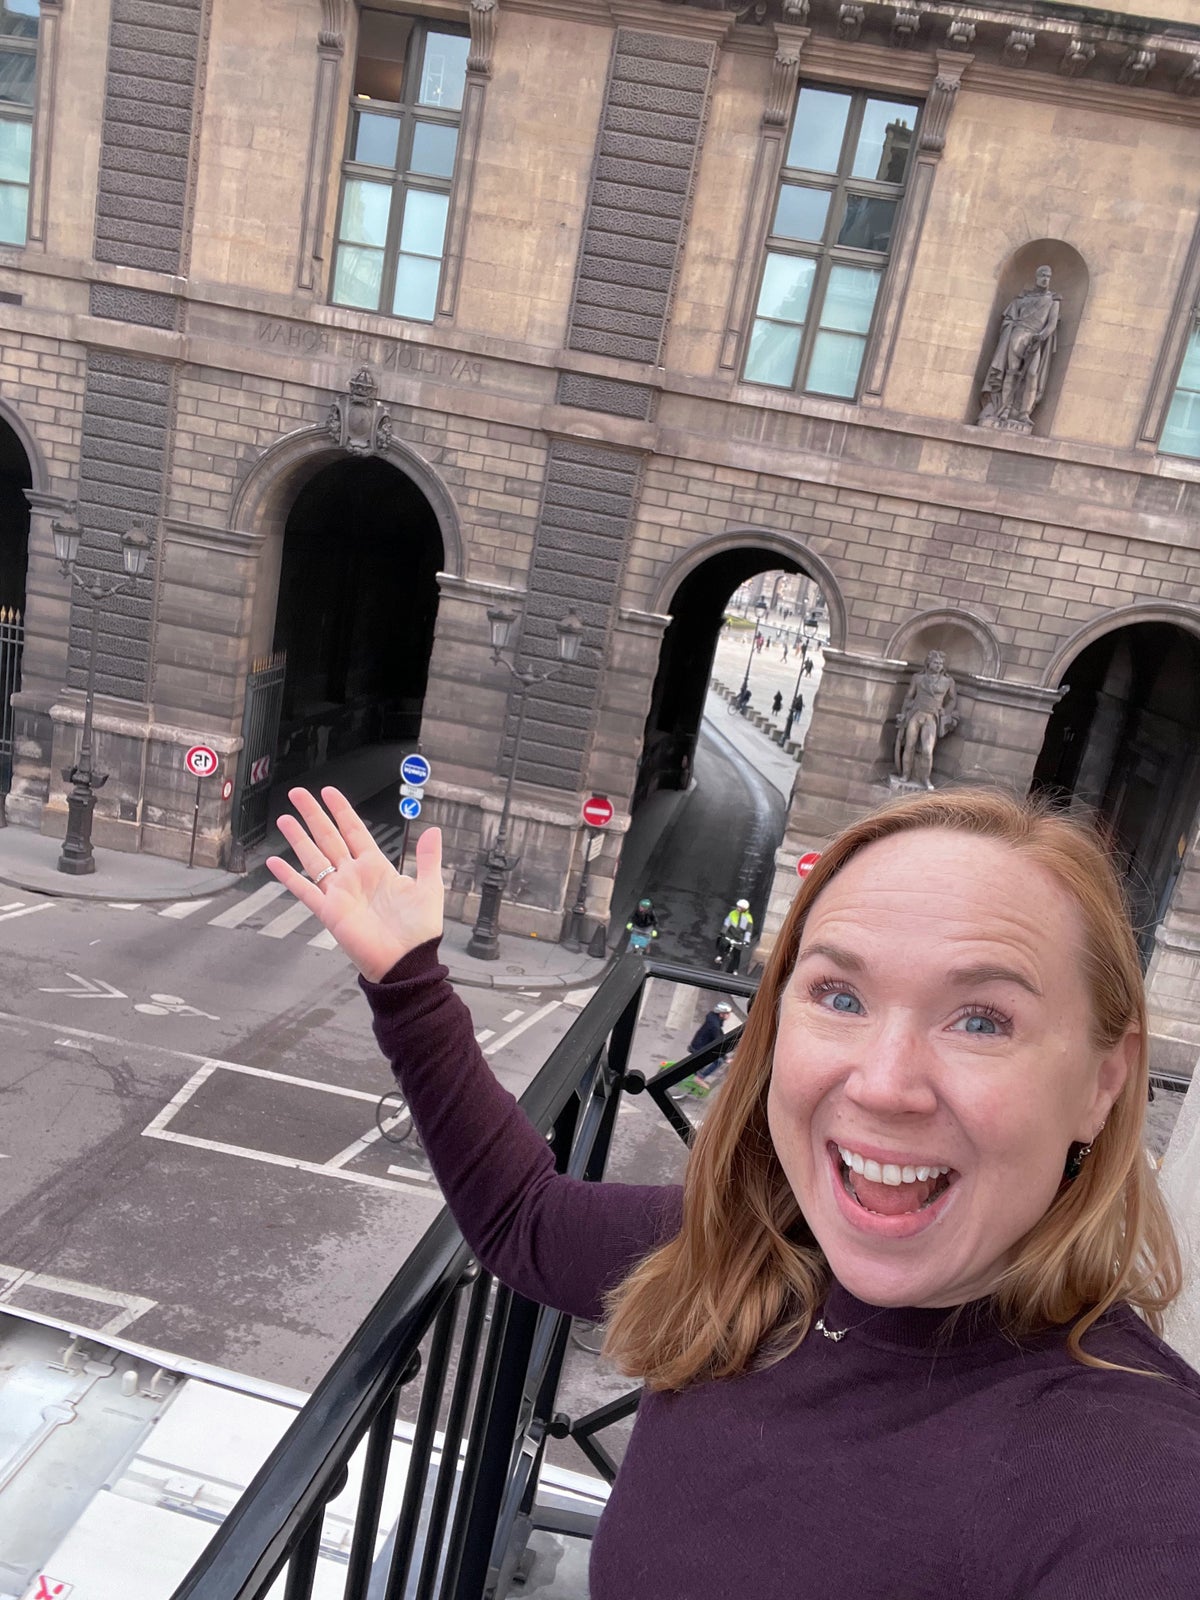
pixel 484 942
pixel 810 629
pixel 76 857
pixel 762 611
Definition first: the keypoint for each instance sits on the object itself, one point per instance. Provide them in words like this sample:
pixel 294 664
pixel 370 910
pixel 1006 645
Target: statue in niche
pixel 1020 366
pixel 929 713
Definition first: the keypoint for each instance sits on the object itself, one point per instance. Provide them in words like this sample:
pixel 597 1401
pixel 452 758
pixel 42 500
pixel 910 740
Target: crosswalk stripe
pixel 184 908
pixel 245 909
pixel 324 940
pixel 25 911
pixel 286 921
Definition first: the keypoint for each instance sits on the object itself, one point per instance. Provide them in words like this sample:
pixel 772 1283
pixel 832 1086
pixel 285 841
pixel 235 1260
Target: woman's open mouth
pixel 889 1189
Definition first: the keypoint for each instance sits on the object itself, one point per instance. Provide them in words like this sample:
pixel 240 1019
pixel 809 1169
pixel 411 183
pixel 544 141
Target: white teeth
pixel 888 1172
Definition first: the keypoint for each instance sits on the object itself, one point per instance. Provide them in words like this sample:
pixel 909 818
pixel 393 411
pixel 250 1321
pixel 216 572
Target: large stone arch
pixel 747 537
pixel 38 472
pixel 1183 616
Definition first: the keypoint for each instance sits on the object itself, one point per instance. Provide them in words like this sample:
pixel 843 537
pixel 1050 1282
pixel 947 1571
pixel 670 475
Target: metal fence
pixel 490 1378
pixel 12 640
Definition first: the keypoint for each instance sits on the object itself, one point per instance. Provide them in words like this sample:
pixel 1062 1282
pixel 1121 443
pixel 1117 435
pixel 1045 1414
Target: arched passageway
pixel 355 613
pixel 1124 740
pixel 697 610
pixel 15 478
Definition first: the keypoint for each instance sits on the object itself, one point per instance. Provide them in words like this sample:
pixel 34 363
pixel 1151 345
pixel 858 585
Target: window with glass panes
pixel 409 80
pixel 1181 431
pixel 839 198
pixel 18 75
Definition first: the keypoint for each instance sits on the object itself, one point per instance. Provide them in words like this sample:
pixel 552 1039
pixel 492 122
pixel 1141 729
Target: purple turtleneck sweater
pixel 894 1464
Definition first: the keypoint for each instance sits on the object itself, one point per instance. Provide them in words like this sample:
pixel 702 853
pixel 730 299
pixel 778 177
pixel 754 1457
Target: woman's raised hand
pixel 375 914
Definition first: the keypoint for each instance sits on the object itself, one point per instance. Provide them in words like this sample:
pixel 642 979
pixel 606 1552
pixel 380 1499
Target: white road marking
pixel 273 1160
pixel 124 905
pixel 513 1016
pixel 184 908
pixel 484 1035
pixel 245 909
pixel 89 989
pixel 411 1172
pixel 129 1306
pixel 515 1033
pixel 578 997
pixel 280 926
pixel 681 1010
pixel 25 911
pixel 324 941
pixel 12 905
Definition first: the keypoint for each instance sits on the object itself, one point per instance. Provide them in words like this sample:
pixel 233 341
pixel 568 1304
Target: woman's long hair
pixel 740 1284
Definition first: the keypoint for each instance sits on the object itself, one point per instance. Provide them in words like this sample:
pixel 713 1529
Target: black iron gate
pixel 12 638
pixel 260 731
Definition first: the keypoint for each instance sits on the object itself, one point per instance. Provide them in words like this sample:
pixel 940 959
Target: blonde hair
pixel 740 1284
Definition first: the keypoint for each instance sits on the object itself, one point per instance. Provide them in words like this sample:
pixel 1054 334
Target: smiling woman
pixel 900 1330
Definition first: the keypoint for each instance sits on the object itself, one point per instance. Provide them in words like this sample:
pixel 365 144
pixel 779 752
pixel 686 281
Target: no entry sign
pixel 597 812
pixel 200 761
pixel 807 862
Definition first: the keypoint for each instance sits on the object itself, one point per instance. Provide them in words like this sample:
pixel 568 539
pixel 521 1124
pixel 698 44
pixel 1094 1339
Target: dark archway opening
pixel 1124 740
pixel 698 609
pixel 15 478
pixel 355 616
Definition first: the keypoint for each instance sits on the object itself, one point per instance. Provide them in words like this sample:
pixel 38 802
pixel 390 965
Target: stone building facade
pixel 379 316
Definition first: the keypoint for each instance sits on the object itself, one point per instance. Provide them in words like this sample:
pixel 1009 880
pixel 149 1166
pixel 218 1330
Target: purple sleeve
pixel 553 1239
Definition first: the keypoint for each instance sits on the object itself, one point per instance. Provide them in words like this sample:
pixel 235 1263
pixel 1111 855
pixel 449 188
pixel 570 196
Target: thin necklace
pixel 836 1335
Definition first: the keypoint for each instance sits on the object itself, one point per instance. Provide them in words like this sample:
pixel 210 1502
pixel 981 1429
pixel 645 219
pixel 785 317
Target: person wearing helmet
pixel 642 925
pixel 736 933
pixel 709 1031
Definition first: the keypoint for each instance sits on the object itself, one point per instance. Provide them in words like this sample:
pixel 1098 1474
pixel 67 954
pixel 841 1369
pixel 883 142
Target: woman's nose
pixel 893 1075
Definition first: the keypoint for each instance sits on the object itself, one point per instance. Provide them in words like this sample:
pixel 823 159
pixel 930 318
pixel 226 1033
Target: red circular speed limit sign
pixel 597 812
pixel 807 862
pixel 200 761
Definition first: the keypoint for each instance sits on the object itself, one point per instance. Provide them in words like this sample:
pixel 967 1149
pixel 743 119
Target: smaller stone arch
pixel 747 537
pixel 1070 279
pixel 261 502
pixel 1183 616
pixel 38 473
pixel 968 643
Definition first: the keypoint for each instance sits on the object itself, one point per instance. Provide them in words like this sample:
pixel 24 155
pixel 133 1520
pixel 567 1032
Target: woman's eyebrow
pixel 986 972
pixel 846 959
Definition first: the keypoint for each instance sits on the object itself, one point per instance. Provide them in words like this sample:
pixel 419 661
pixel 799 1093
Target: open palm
pixel 376 915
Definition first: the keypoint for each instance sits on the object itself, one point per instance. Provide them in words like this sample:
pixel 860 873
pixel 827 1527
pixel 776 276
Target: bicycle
pixel 393 1118
pixel 738 706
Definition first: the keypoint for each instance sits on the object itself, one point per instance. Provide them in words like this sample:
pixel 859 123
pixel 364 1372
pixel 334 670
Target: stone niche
pixel 1069 280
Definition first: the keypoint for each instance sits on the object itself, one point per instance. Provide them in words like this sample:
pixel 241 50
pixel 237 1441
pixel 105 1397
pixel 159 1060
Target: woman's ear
pixel 1112 1075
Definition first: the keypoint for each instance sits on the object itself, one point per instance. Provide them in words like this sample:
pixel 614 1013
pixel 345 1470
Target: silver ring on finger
pixel 324 873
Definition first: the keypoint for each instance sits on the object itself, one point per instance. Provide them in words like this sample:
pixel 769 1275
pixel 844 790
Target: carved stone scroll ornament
pixel 936 117
pixel 482 17
pixel 357 420
pixel 785 70
pixel 1188 81
pixel 1018 47
pixel 333 25
pixel 795 12
pixel 906 21
pixel 850 21
pixel 1137 67
pixel 960 35
pixel 929 713
pixel 1077 58
pixel 1020 366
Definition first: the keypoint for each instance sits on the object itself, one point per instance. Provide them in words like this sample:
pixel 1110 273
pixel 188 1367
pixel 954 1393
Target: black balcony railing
pixel 486 1393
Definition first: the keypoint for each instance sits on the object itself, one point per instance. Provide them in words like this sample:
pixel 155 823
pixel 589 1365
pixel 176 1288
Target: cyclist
pixel 736 933
pixel 740 700
pixel 709 1031
pixel 643 925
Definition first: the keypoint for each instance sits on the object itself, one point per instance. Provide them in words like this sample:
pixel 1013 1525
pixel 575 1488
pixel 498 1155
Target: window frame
pixel 1191 331
pixel 826 252
pixel 399 179
pixel 13 111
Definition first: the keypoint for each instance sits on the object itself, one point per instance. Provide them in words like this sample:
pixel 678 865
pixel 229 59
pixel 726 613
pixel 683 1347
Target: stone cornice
pixel 232 541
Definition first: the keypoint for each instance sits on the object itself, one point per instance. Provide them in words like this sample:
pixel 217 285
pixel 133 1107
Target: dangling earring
pixel 1077 1154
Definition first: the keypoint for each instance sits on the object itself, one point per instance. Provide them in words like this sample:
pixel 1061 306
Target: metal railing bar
pixel 702 977
pixel 302 1568
pixel 370 1497
pixel 404 1535
pixel 556 1519
pixel 450 1466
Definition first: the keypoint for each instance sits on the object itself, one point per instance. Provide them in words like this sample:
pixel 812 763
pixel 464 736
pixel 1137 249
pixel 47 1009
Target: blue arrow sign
pixel 410 809
pixel 415 769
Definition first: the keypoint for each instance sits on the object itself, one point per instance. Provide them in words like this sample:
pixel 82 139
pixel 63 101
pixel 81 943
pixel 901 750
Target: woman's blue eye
pixel 978 1024
pixel 842 1001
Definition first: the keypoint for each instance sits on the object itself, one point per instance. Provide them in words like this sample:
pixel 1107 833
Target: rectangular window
pixel 18 74
pixel 839 196
pixel 1181 433
pixel 409 80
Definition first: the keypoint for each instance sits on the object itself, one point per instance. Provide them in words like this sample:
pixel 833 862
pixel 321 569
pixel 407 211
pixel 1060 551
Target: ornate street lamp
pixel 485 936
pixel 810 629
pixel 76 857
pixel 762 611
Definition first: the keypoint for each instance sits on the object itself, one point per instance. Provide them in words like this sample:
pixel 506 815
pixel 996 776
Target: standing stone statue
pixel 1020 366
pixel 929 713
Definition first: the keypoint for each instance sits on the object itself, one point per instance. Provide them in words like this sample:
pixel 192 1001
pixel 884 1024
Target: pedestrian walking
pixel 806 669
pixel 777 703
pixel 905 1315
pixel 709 1031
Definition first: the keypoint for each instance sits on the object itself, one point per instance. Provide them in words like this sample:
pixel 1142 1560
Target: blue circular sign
pixel 415 769
pixel 410 809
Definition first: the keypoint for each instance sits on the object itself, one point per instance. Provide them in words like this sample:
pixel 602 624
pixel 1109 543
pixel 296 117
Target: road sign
pixel 598 811
pixel 200 761
pixel 227 789
pixel 416 790
pixel 260 770
pixel 807 862
pixel 415 769
pixel 410 809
